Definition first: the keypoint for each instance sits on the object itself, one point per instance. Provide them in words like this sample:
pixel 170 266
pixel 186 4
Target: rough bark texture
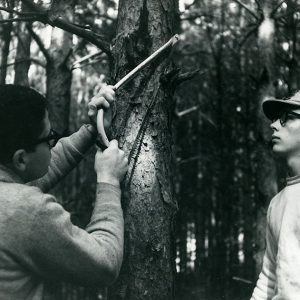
pixel 58 73
pixel 143 127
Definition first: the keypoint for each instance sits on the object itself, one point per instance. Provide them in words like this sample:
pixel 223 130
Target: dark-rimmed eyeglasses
pixel 285 116
pixel 51 139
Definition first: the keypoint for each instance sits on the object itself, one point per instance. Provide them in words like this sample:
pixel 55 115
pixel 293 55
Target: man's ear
pixel 19 160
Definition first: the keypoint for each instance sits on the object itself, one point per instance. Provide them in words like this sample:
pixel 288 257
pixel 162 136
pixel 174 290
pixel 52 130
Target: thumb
pixel 99 152
pixel 113 144
pixel 92 109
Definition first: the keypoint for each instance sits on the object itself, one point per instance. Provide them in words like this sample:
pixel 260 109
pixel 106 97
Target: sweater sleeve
pixel 57 249
pixel 265 286
pixel 65 156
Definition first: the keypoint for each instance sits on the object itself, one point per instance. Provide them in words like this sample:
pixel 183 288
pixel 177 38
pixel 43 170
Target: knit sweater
pixel 280 275
pixel 38 242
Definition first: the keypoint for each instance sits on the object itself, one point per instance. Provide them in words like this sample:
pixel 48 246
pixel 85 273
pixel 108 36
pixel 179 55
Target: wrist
pixel 108 179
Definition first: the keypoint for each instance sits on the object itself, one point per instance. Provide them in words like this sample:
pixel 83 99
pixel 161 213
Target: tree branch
pixel 86 34
pixel 36 61
pixel 284 15
pixel 40 43
pixel 187 111
pixel 276 8
pixel 187 160
pixel 246 8
pixel 48 18
pixel 77 63
pixel 24 19
pixel 249 33
pixel 180 78
pixel 195 16
pixel 87 64
pixel 106 17
pixel 242 280
pixel 23 14
pixel 257 3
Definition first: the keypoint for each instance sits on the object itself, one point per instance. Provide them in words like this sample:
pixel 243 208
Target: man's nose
pixel 275 125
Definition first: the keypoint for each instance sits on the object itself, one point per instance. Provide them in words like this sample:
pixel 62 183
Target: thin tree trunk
pixel 7 30
pixel 266 176
pixel 23 53
pixel 292 34
pixel 143 128
pixel 59 75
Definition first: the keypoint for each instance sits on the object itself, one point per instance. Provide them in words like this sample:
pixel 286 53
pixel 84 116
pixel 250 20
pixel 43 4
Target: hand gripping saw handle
pixel 127 78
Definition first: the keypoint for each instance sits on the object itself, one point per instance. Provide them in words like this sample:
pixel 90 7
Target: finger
pixel 92 109
pixel 107 91
pixel 100 101
pixel 95 104
pixel 108 94
pixel 110 89
pixel 113 144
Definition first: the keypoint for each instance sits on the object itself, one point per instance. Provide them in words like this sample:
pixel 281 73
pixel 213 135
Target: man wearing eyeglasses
pixel 280 275
pixel 38 242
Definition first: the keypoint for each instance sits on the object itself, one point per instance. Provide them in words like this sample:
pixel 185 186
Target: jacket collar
pixel 7 175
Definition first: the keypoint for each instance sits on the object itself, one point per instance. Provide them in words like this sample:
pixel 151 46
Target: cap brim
pixel 272 107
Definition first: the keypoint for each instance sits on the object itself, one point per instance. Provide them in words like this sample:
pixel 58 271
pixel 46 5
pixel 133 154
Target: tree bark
pixel 143 127
pixel 59 75
pixel 23 53
pixel 7 30
pixel 266 176
pixel 292 36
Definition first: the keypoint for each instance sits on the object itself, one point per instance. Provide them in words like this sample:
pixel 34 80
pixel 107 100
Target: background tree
pixel 22 60
pixel 6 39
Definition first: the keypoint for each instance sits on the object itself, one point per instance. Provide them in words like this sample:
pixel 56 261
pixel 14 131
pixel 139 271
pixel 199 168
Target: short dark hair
pixel 22 111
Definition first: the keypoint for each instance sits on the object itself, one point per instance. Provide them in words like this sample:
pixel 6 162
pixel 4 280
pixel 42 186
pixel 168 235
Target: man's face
pixel 286 134
pixel 39 159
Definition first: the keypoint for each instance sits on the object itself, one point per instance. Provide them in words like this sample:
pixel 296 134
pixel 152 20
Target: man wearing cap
pixel 280 275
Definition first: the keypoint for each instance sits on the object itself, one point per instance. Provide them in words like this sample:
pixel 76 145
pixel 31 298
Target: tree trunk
pixel 23 53
pixel 7 29
pixel 59 75
pixel 143 127
pixel 266 176
pixel 292 36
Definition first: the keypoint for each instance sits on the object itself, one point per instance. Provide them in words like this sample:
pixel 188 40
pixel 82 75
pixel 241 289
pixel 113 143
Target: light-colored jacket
pixel 38 242
pixel 280 275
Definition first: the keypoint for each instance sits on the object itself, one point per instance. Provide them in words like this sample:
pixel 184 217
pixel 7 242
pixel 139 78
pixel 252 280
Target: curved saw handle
pixel 127 78
pixel 100 127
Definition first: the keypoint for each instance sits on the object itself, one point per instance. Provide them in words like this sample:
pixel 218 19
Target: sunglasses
pixel 285 116
pixel 51 139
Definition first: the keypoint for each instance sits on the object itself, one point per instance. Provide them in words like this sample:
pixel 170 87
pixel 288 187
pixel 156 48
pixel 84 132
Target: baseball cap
pixel 273 107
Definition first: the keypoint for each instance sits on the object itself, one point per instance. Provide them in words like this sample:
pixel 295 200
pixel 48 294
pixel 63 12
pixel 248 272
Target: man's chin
pixel 278 151
pixel 39 175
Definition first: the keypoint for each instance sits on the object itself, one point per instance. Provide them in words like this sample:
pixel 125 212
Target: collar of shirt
pixel 7 175
pixel 293 180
